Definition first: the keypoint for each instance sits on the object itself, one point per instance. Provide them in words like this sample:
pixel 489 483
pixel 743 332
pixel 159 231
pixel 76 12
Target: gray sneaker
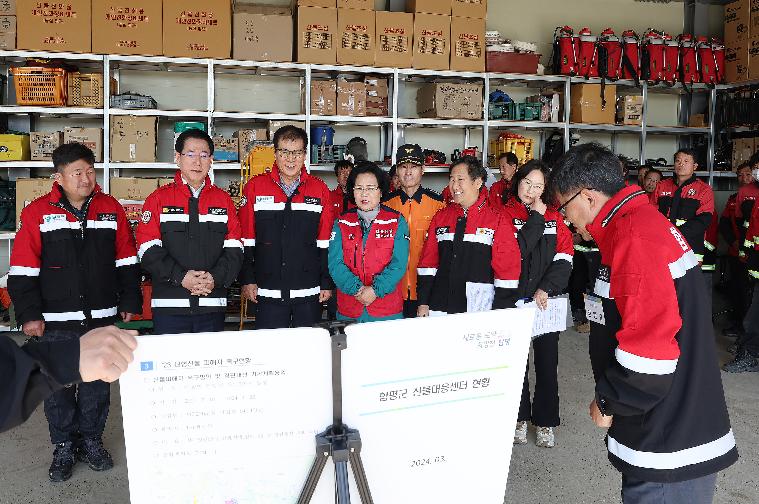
pixel 520 433
pixel 545 437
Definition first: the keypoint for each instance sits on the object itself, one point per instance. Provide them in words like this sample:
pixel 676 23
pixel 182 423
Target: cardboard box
pixel 429 6
pixel 262 33
pixel 7 32
pixel 356 4
pixel 585 104
pixel 323 97
pixel 754 18
pixel 470 8
pixel 247 139
pixel 377 102
pixel 133 139
pixel 225 149
pixel 737 21
pixel 127 27
pixel 43 144
pixel 467 44
pixel 7 7
pixel 28 190
pixel 316 3
pixel 90 137
pixel 450 101
pixel 737 61
pixel 432 42
pixel 395 39
pixel 357 34
pixel 275 125
pixel 132 188
pixel 743 149
pixel 14 147
pixel 697 121
pixel 63 25
pixel 351 98
pixel 753 58
pixel 317 35
pixel 197 28
pixel 631 110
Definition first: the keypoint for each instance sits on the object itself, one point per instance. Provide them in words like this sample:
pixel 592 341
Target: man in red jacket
pixel 661 393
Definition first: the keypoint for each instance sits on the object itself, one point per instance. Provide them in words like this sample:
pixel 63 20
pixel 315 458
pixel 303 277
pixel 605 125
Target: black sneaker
pixel 96 456
pixel 744 362
pixel 733 348
pixel 63 462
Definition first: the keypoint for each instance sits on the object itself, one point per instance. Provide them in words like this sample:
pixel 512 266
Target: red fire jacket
pixel 495 194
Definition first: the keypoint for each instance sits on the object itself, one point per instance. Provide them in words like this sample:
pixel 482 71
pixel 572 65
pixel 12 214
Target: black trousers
pixel 78 411
pixel 544 410
pixel 409 308
pixel 749 340
pixel 739 288
pixel 181 324
pixel 578 284
pixel 280 315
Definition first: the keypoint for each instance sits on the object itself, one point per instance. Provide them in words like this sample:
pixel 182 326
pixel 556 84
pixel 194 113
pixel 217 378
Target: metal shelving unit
pixel 391 127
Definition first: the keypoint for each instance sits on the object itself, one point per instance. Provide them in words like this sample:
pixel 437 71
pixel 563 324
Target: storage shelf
pixel 33 164
pixel 259 116
pixel 440 122
pixel 352 119
pixel 677 130
pixel 612 128
pixel 413 72
pixel 158 113
pixel 7 235
pixel 57 111
pixel 49 55
pixel 527 77
pixel 499 123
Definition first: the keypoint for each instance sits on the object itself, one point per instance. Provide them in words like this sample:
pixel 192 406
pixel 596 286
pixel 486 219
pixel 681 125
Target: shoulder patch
pixel 146 216
pixel 243 201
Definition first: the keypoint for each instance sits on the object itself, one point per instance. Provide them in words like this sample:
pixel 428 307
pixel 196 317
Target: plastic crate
pixel 132 101
pixel 40 86
pixel 84 90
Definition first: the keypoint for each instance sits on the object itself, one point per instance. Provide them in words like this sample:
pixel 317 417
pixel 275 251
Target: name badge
pixel 594 309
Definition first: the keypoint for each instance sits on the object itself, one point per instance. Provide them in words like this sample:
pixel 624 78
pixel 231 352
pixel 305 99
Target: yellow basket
pixel 40 86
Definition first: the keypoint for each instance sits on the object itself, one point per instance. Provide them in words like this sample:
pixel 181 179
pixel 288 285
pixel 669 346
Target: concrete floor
pixel 576 471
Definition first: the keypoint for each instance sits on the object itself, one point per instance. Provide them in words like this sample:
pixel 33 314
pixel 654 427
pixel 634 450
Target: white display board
pixel 226 418
pixel 435 401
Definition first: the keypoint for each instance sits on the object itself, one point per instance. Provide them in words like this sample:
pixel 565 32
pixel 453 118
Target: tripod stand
pixel 339 441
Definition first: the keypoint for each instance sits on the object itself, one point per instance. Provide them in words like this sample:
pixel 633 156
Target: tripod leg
pixel 359 474
pixel 313 476
pixel 342 488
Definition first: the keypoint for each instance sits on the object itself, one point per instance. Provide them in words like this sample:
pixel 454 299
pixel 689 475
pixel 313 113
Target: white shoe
pixel 520 433
pixel 545 437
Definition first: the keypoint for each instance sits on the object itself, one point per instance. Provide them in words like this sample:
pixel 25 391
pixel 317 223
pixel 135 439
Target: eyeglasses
pixel 531 185
pixel 367 189
pixel 290 153
pixel 563 208
pixel 203 156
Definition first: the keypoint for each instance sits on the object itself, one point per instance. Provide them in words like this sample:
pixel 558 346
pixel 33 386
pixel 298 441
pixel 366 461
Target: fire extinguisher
pixel 707 61
pixel 564 51
pixel 587 60
pixel 718 52
pixel 630 55
pixel 671 69
pixel 689 68
pixel 609 55
pixel 652 57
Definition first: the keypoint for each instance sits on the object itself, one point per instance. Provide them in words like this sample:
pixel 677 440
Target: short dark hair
pixel 586 166
pixel 290 132
pixel 473 167
pixel 521 174
pixel 195 133
pixel 654 170
pixel 511 158
pixel 344 163
pixel 742 166
pixel 71 153
pixel 383 181
pixel 392 171
pixel 688 152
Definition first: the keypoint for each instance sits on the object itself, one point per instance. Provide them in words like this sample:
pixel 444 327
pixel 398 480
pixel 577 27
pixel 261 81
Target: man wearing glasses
pixel 189 242
pixel 286 221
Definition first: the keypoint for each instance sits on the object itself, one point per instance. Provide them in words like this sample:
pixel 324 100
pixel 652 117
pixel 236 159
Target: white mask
pixel 755 173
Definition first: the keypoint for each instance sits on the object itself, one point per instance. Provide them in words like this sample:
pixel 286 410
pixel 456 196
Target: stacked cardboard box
pixel 127 27
pixel 450 101
pixel 630 110
pixel 7 26
pixel 356 30
pixel 376 96
pixel 323 97
pixel 587 106
pixel 351 98
pixel 43 144
pixel 28 190
pixel 247 139
pixel 317 34
pixel 740 40
pixel 395 39
pixel 63 25
pixel 743 149
pixel 432 41
pixel 262 33
pixel 133 139
pixel 91 137
pixel 197 28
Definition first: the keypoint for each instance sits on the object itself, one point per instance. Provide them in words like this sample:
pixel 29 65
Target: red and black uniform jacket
pixel 74 274
pixel 340 201
pixel 495 194
pixel 476 247
pixel 286 239
pixel 663 385
pixel 689 206
pixel 744 207
pixel 178 233
pixel 711 239
pixel 368 260
pixel 545 245
pixel 728 225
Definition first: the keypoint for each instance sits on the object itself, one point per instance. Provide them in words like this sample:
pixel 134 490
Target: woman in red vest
pixel 368 251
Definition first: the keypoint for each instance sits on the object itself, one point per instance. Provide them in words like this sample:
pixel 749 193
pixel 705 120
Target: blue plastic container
pixel 322 135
